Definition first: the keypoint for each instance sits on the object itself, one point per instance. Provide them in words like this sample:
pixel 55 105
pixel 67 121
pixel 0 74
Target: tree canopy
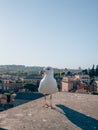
pixel 30 86
pixel 91 72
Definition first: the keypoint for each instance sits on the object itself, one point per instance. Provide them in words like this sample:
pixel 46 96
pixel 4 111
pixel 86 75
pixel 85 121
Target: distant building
pixel 83 78
pixel 96 78
pixel 81 89
pixel 8 85
pixel 96 85
pixel 67 83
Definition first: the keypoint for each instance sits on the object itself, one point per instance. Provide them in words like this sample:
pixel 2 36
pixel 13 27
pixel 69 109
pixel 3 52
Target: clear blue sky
pixel 58 33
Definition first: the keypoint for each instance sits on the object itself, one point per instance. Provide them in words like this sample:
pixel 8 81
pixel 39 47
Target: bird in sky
pixel 48 85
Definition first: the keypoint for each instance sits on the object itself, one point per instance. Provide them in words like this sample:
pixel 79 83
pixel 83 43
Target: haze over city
pixel 58 33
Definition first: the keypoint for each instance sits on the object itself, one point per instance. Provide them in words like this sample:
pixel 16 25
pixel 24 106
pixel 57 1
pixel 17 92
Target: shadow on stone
pixel 20 99
pixel 81 120
pixel 5 107
pixel 28 95
pixel 2 129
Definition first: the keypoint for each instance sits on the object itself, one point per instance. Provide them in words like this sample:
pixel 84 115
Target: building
pixel 81 89
pixel 67 83
pixel 83 78
pixel 9 85
pixel 96 86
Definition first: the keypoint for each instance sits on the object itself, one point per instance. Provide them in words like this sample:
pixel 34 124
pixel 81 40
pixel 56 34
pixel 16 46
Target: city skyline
pixel 55 33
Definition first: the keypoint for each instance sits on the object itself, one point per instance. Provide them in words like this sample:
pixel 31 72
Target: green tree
pixel 92 72
pixel 96 71
pixel 85 71
pixel 30 86
pixel 69 73
pixel 63 74
pixel 0 81
pixel 56 75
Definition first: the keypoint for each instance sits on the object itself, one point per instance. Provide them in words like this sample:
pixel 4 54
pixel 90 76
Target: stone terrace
pixel 71 112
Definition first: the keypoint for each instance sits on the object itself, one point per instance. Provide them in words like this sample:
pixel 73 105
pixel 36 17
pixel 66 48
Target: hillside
pixel 19 68
pixel 31 68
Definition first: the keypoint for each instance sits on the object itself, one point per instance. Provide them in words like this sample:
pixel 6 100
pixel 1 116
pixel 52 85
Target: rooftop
pixel 71 112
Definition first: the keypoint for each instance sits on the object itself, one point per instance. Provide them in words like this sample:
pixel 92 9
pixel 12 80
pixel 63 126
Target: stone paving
pixel 71 111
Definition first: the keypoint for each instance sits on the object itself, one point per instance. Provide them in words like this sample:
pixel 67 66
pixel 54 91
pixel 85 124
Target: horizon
pixel 61 34
pixel 50 66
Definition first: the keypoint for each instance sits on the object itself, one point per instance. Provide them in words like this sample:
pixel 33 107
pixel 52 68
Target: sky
pixel 57 33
